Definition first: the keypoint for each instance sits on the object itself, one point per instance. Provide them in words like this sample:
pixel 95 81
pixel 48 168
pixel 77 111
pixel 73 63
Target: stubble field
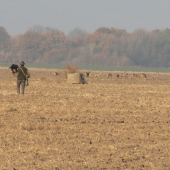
pixel 104 124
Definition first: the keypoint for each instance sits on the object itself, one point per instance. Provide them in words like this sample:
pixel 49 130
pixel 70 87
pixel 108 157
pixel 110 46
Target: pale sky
pixel 17 16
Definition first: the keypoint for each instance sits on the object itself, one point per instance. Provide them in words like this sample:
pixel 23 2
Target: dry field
pixel 104 124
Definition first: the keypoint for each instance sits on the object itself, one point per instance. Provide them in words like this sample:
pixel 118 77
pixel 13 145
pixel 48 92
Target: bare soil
pixel 104 124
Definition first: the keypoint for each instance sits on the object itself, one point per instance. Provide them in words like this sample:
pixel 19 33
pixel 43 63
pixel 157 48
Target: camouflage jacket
pixel 20 75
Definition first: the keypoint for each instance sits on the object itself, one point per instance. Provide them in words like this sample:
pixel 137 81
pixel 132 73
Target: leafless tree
pixel 40 29
pixel 76 32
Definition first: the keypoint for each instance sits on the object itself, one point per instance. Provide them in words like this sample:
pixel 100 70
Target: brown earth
pixel 104 124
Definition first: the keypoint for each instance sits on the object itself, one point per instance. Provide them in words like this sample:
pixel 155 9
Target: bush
pixel 70 69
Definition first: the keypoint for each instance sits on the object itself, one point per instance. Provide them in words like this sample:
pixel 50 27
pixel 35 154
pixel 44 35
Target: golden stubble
pixel 104 124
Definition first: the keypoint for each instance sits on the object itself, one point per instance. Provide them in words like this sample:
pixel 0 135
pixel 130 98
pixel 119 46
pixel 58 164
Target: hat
pixel 22 63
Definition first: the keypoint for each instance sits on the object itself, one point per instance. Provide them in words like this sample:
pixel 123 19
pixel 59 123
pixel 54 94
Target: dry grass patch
pixel 105 124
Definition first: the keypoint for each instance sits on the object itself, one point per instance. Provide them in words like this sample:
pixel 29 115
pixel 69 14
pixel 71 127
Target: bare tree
pixel 40 29
pixel 76 32
pixel 37 28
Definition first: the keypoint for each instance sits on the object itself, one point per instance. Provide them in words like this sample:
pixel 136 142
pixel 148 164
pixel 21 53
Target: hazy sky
pixel 17 16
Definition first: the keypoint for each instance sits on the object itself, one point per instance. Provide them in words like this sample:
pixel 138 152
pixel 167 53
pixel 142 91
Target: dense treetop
pixel 106 46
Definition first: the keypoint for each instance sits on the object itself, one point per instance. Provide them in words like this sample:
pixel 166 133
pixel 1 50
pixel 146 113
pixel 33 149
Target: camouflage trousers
pixel 22 84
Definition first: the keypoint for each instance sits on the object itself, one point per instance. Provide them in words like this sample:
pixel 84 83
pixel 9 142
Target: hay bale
pixel 75 78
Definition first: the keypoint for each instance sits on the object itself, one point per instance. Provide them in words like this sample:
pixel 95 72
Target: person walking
pixel 22 75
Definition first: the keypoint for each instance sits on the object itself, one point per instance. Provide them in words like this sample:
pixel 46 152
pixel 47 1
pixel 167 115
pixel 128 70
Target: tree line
pixel 104 47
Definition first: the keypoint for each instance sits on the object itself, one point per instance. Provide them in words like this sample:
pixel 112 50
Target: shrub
pixel 70 69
